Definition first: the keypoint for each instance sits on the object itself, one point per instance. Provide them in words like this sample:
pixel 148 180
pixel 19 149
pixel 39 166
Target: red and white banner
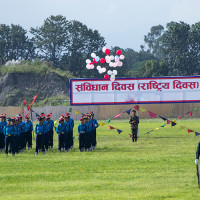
pixel 135 90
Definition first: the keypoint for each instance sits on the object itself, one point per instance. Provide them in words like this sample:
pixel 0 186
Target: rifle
pixel 198 175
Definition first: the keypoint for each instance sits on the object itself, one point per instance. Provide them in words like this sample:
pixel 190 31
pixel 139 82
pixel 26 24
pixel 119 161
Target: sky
pixel 122 23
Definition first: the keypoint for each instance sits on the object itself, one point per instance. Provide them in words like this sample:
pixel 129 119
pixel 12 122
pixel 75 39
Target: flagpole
pixel 32 122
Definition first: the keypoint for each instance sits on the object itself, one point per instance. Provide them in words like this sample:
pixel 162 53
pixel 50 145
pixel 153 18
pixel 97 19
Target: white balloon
pixel 111 64
pixel 121 63
pixel 109 72
pixel 112 79
pixel 88 61
pixel 93 55
pixel 115 64
pixel 91 66
pixel 103 49
pixel 112 76
pixel 116 59
pixel 88 66
pixel 98 67
pixel 100 71
pixel 107 59
pixel 103 69
pixel 122 57
pixel 112 57
pixel 114 72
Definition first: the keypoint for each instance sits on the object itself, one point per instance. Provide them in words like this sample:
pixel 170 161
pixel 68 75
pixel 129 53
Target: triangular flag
pixel 173 124
pixel 77 112
pixel 110 127
pixel 128 111
pixel 109 120
pixel 189 130
pixel 70 110
pixel 142 110
pixel 37 115
pixel 152 115
pixel 196 109
pixel 196 133
pixel 136 107
pixel 163 118
pixel 163 125
pixel 130 135
pixel 180 117
pixel 34 98
pixel 25 103
pixel 149 132
pixel 168 121
pixel 118 115
pixel 119 131
pixel 102 124
pixel 190 114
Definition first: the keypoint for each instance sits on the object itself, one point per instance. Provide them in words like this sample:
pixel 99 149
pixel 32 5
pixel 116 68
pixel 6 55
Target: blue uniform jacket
pixel 1 127
pixel 39 129
pixel 8 130
pixel 89 126
pixel 49 125
pixel 71 124
pixel 16 129
pixel 94 124
pixel 22 126
pixel 28 126
pixel 82 128
pixel 60 129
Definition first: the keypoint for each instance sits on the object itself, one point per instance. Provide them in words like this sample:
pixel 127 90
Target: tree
pixel 52 38
pixel 178 49
pixel 82 42
pixel 154 40
pixel 14 44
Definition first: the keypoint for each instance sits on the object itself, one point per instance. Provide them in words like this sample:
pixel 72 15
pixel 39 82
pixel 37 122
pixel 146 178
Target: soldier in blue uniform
pixel 16 133
pixel 8 131
pixel 94 125
pixel 61 131
pixel 71 126
pixel 2 137
pixel 88 136
pixel 28 128
pixel 82 129
pixel 22 133
pixel 40 136
pixel 50 125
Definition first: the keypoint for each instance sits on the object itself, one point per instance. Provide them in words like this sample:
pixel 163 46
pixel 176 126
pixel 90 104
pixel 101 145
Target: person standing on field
pixel 134 121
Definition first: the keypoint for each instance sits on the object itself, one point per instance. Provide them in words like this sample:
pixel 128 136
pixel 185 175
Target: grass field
pixel 159 166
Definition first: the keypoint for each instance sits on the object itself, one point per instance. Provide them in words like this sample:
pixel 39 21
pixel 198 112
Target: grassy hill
pixel 159 166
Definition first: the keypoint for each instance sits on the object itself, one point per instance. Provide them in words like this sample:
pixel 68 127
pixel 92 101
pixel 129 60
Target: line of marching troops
pixel 16 134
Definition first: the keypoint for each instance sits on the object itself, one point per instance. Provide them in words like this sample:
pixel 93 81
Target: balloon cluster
pixel 108 61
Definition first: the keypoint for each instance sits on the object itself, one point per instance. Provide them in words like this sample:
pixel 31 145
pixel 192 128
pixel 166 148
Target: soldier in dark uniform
pixel 134 121
pixel 197 154
pixel 2 137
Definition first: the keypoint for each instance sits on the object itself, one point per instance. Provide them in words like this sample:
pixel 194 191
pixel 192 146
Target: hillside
pixel 30 78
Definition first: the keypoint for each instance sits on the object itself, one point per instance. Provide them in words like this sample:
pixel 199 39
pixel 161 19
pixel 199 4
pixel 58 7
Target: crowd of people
pixel 16 134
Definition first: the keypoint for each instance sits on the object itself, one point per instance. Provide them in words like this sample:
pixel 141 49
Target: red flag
pixel 110 127
pixel 189 130
pixel 130 135
pixel 136 107
pixel 190 114
pixel 180 117
pixel 34 98
pixel 152 115
pixel 25 103
pixel 168 122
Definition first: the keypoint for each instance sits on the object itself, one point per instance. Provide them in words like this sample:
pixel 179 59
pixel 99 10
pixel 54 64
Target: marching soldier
pixel 28 128
pixel 8 132
pixel 71 126
pixel 50 125
pixel 94 126
pixel 22 133
pixel 134 121
pixel 88 136
pixel 40 136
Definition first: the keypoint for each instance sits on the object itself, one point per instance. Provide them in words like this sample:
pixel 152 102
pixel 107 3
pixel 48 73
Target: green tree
pixel 82 42
pixel 52 38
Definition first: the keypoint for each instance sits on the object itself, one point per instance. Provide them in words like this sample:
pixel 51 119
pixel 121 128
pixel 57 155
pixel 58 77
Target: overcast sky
pixel 121 22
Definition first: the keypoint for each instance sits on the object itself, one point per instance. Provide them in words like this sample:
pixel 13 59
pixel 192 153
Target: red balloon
pixel 94 61
pixel 118 52
pixel 102 60
pixel 106 76
pixel 91 63
pixel 107 51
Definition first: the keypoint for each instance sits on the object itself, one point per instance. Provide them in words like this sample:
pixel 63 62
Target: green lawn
pixel 159 166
